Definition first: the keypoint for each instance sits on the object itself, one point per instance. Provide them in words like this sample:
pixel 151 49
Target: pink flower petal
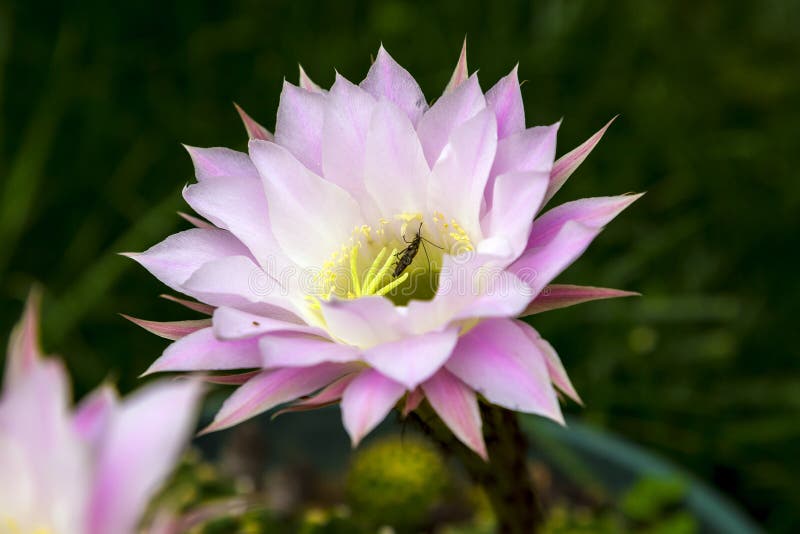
pixel 387 79
pixel 395 170
pixel 505 98
pixel 557 296
pixel 271 388
pixel 457 405
pixel 558 375
pixel 230 379
pixel 328 213
pixel 93 414
pixel 219 161
pixel 329 395
pixel 254 129
pixel 196 306
pixel 201 351
pixel 197 222
pixel 505 296
pixel 366 402
pixel 44 462
pixel 170 329
pixel 176 258
pixel 363 322
pixel 460 73
pixel 497 359
pixel 232 323
pixel 411 361
pixel 566 164
pixel 470 286
pixel 237 281
pixel 533 149
pixel 139 450
pixel 516 199
pixel 23 344
pixel 298 127
pixel 293 350
pixel 459 178
pixel 413 400
pixel 538 266
pixel 238 205
pixel 449 112
pixel 593 212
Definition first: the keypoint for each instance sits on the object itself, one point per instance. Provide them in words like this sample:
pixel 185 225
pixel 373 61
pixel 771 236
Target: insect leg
pixel 431 243
pixel 425 250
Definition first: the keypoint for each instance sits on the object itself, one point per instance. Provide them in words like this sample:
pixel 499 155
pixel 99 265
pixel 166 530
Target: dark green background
pixel 704 368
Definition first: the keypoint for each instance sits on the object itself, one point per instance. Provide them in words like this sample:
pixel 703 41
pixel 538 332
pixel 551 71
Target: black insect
pixel 407 255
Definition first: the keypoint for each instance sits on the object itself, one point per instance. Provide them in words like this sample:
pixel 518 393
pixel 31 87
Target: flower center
pixel 399 258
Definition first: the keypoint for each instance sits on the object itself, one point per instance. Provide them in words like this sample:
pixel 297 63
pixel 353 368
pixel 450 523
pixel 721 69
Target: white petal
pixel 449 112
pixel 395 170
pixel 459 178
pixel 347 119
pixel 174 260
pixel 299 125
pixel 239 205
pixel 516 199
pixel 310 217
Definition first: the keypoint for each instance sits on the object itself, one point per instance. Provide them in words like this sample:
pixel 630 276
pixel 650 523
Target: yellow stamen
pixel 374 267
pixel 393 284
pixel 373 285
pixel 354 271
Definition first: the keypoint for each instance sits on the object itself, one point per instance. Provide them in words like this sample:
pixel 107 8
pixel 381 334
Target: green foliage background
pixel 96 96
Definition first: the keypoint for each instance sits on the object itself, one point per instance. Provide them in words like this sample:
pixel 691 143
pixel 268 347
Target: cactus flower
pixel 87 471
pixel 377 251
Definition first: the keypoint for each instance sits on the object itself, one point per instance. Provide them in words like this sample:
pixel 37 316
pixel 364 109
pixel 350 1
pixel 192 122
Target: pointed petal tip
pixel 461 71
pixel 193 151
pixel 154 368
pixel 305 81
pixel 24 349
pixel 207 430
pixel 254 129
pixel 629 198
pixel 559 418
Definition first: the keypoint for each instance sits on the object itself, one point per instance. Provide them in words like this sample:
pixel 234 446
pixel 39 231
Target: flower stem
pixel 505 477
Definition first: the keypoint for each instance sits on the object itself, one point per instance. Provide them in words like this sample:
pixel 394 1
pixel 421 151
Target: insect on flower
pixel 407 255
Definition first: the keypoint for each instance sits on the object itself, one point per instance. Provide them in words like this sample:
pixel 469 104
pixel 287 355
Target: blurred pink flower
pixel 304 260
pixel 90 471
